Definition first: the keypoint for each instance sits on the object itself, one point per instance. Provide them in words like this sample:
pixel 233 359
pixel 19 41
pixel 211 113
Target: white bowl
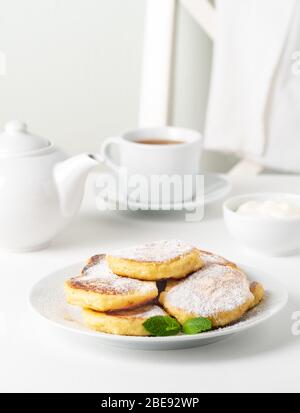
pixel 266 235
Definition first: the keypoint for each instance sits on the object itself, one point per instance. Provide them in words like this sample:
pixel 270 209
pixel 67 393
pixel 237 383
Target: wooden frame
pixel 2 63
pixel 157 62
pixel 158 54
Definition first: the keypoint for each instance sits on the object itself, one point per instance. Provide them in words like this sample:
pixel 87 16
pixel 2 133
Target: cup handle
pixel 104 152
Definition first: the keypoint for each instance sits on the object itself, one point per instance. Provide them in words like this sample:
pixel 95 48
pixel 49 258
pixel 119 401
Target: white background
pixel 74 68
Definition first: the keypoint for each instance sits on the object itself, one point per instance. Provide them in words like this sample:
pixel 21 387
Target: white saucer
pixel 216 187
pixel 47 299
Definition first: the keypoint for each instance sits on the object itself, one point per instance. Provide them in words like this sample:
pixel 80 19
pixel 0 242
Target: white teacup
pixel 157 154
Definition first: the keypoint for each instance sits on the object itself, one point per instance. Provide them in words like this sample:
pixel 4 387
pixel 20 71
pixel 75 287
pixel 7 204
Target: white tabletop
pixel 36 357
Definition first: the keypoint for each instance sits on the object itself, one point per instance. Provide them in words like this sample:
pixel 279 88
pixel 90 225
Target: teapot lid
pixel 16 140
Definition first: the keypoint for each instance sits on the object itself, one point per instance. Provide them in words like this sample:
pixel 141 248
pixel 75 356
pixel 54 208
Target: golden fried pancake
pixel 258 291
pixel 100 289
pixel 156 261
pixel 125 322
pixel 210 258
pixel 218 292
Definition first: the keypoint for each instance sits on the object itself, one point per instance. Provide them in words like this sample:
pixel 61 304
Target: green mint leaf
pixel 197 325
pixel 162 326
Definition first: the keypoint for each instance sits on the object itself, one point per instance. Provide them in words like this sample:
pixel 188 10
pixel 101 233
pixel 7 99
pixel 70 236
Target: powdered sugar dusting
pixel 211 290
pixel 210 258
pixel 142 312
pixel 158 251
pixel 98 277
pixel 153 311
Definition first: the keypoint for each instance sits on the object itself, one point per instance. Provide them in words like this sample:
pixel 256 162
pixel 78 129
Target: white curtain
pixel 254 105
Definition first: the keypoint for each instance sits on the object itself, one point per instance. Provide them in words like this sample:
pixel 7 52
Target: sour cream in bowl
pixel 268 223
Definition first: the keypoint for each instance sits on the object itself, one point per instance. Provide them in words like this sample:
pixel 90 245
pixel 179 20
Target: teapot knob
pixel 16 126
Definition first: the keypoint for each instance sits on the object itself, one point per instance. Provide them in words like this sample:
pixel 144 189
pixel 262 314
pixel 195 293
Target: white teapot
pixel 41 188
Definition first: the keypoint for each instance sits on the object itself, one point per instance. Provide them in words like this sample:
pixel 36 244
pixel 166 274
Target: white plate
pixel 47 299
pixel 216 187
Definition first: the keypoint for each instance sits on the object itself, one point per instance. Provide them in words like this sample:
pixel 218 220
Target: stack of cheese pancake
pixel 119 291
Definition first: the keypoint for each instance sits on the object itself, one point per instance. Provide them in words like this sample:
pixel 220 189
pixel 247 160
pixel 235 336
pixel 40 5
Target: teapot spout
pixel 70 177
